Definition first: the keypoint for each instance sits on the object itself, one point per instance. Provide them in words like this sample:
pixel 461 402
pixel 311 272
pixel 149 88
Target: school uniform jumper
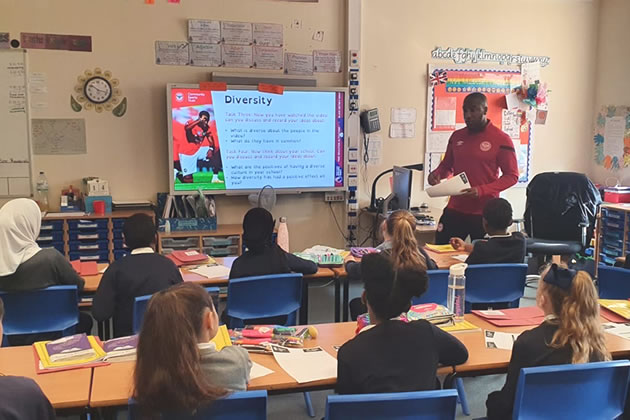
pixel 499 249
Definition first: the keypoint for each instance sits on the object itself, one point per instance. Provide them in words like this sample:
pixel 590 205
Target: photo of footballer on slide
pixel 196 151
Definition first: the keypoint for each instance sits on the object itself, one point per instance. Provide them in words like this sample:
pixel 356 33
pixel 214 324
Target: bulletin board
pixel 612 137
pixel 448 85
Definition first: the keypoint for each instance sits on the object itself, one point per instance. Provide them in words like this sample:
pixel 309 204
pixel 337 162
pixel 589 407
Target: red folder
pixel 611 316
pixel 531 315
pixel 85 268
pixel 187 257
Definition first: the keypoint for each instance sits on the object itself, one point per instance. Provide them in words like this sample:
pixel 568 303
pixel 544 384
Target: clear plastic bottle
pixel 41 191
pixel 457 290
pixel 283 234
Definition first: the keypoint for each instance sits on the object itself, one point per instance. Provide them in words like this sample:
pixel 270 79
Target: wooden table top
pixel 112 384
pixel 92 282
pixel 68 389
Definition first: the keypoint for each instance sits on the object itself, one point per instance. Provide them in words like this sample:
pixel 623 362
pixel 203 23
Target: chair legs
pixel 309 404
pixel 461 396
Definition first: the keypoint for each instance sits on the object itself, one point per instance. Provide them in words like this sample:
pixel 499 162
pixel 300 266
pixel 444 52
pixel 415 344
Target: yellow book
pixel 47 363
pixel 618 306
pixel 222 339
pixel 440 248
pixel 459 326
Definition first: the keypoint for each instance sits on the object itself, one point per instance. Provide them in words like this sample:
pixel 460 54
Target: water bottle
pixel 41 192
pixel 457 290
pixel 283 234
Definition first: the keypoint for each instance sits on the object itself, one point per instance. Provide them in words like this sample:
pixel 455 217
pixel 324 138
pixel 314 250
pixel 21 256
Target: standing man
pixel 479 150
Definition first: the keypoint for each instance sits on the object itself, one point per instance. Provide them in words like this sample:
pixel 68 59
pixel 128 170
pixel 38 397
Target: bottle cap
pixel 458 269
pixel 283 219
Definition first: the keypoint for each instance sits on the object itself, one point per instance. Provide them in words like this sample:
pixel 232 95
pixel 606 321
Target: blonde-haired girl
pixel 400 243
pixel 570 333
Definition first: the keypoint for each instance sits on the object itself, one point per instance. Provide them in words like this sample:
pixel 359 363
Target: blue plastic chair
pixel 50 310
pixel 614 282
pixel 140 306
pixel 267 296
pixel 421 405
pixel 251 405
pixel 438 288
pixel 495 283
pixel 583 391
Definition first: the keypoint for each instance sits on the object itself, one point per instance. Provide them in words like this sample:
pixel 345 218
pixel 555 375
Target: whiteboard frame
pixel 27 108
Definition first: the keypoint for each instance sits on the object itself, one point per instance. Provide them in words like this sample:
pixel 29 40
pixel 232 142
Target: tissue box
pixel 89 202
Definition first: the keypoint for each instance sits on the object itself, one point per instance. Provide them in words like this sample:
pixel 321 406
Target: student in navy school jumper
pixel 392 355
pixel 143 272
pixel 25 266
pixel 571 333
pixel 178 369
pixel 499 246
pixel 400 241
pixel 21 398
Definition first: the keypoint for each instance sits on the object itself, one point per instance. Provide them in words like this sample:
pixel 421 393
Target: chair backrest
pixel 251 405
pixel 264 296
pixel 557 202
pixel 53 309
pixel 140 306
pixel 584 391
pixel 421 405
pixel 614 282
pixel 494 283
pixel 438 288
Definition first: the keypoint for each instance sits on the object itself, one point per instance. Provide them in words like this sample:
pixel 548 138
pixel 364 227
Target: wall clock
pixel 98 90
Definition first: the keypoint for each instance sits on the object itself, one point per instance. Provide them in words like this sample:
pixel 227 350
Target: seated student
pixel 178 369
pixel 21 397
pixel 263 256
pixel 400 241
pixel 500 246
pixel 25 266
pixel 394 356
pixel 570 333
pixel 143 272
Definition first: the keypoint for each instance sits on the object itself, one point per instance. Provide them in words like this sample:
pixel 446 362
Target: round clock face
pixel 98 90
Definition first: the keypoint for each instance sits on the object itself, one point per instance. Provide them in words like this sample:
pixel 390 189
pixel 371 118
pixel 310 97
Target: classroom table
pixel 66 390
pixel 443 260
pixel 92 282
pixel 112 385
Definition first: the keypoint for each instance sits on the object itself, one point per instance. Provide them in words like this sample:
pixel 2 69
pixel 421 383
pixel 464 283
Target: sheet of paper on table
pixel 499 340
pixel 306 364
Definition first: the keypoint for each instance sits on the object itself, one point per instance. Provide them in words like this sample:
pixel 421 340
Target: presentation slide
pixel 246 139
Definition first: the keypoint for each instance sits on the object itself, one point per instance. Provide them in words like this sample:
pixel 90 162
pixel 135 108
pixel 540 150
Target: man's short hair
pixel 139 231
pixel 206 113
pixel 498 213
pixel 477 98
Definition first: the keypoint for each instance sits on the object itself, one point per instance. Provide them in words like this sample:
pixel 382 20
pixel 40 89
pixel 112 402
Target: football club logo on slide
pixel 179 96
pixel 485 146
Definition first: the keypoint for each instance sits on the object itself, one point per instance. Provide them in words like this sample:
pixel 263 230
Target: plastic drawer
pixel 117 233
pixel 221 251
pixel 613 224
pixel 118 223
pixel 81 236
pixel 214 241
pixel 56 245
pixel 180 242
pixel 119 244
pixel 99 256
pixel 53 236
pixel 613 214
pixel 613 234
pixel 612 252
pixel 119 253
pixel 48 225
pixel 100 245
pixel 607 260
pixel 617 243
pixel 82 225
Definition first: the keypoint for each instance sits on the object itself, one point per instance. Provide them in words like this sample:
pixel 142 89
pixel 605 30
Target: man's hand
pixel 457 243
pixel 434 178
pixel 470 192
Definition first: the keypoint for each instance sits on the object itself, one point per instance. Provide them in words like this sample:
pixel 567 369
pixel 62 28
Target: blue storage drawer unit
pixel 98 245
pixel 99 256
pixel 51 236
pixel 56 245
pixel 117 233
pixel 87 225
pixel 51 225
pixel 120 253
pixel 82 236
pixel 118 223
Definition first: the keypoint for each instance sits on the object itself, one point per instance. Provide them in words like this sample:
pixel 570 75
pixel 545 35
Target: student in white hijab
pixel 23 264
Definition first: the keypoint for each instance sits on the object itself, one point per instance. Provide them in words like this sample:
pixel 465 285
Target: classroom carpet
pixel 321 310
